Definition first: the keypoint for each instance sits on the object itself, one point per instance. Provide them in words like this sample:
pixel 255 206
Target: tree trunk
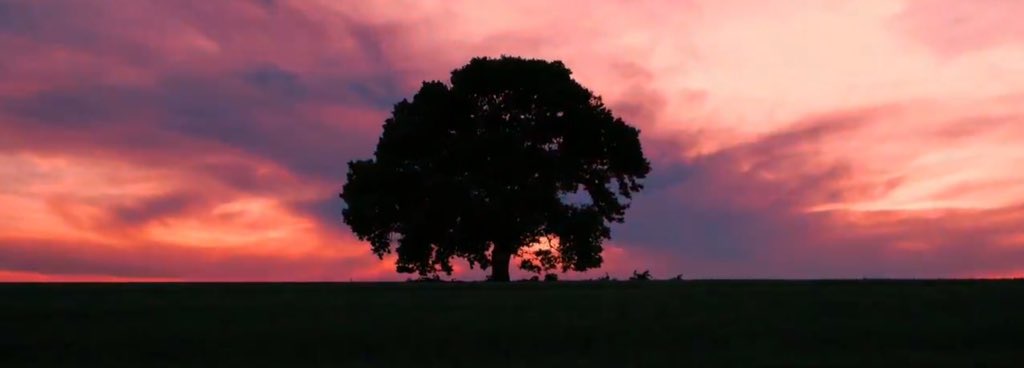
pixel 499 265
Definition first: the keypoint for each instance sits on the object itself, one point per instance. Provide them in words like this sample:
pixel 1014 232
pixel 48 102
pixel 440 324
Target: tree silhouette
pixel 512 154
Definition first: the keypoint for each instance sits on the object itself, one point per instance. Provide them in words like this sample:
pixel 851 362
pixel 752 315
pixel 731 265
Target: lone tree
pixel 514 157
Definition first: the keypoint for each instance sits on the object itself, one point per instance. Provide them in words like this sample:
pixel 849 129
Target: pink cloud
pixel 952 28
pixel 207 140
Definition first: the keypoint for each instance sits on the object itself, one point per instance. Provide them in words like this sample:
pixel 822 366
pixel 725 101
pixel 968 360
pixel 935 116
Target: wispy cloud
pixel 208 140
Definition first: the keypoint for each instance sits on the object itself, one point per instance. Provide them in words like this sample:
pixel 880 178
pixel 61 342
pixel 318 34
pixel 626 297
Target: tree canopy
pixel 512 158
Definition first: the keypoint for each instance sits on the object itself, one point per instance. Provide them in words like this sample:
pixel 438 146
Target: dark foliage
pixel 551 277
pixel 511 152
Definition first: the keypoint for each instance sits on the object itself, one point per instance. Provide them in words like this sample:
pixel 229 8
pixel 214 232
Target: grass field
pixel 566 324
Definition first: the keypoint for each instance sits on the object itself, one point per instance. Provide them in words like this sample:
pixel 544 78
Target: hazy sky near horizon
pixel 207 140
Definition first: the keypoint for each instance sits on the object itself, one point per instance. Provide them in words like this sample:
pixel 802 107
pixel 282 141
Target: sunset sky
pixel 207 140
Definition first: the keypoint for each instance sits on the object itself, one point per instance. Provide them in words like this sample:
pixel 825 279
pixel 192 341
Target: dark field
pixel 568 324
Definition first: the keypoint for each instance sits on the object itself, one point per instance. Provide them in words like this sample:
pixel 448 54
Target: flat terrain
pixel 567 324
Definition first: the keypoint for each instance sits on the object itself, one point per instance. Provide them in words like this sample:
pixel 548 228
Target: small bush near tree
pixel 641 276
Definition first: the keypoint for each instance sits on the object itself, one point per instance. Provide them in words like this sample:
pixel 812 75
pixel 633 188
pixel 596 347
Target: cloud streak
pixel 208 140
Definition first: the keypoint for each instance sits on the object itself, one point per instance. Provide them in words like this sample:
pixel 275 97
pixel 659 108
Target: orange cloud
pixel 790 139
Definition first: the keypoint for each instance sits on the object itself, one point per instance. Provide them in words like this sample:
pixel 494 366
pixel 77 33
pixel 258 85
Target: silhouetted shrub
pixel 642 276
pixel 678 277
pixel 427 278
pixel 551 277
pixel 606 277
